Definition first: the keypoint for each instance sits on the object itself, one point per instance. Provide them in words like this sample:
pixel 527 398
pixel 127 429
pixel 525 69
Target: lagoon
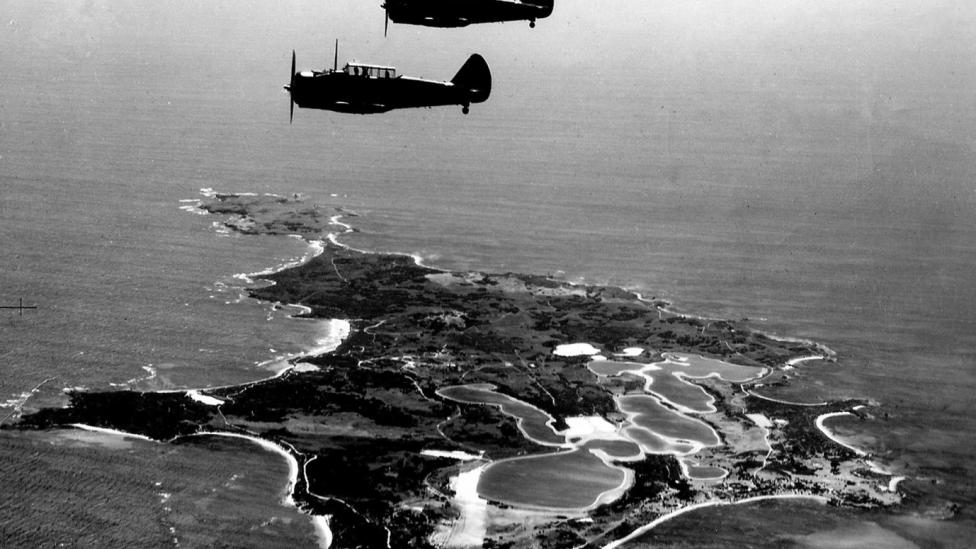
pixel 563 480
pixel 648 413
pixel 535 424
pixel 681 393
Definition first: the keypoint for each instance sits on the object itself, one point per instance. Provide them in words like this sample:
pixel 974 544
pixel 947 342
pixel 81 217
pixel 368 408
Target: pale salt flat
pixel 631 352
pixel 470 528
pixel 575 349
pixel 453 454
pixel 203 399
pixel 760 420
pixel 589 427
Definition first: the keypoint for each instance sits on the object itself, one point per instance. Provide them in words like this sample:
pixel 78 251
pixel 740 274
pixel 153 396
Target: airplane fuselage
pixel 338 91
pixel 448 13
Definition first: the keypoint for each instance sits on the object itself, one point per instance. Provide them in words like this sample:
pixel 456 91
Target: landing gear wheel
pixel 465 109
pixel 531 24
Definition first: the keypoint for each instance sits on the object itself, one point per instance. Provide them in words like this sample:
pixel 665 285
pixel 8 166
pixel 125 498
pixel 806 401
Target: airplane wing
pixel 447 21
pixel 360 108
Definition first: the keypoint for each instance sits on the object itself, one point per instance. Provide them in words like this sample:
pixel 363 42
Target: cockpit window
pixel 371 71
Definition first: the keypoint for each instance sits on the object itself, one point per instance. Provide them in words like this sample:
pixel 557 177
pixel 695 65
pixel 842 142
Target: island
pixel 470 409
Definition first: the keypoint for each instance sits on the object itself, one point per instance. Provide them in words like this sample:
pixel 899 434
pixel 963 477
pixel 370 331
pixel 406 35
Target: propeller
pixel 386 23
pixel 291 84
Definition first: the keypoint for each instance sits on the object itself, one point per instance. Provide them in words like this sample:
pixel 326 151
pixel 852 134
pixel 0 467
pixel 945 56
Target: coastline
pixel 319 522
pixel 713 503
pixel 778 401
pixel 115 432
pixel 664 306
pixel 337 327
pixel 827 433
pixel 17 404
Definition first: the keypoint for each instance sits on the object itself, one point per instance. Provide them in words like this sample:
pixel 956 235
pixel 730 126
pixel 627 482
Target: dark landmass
pixel 360 422
pixel 269 214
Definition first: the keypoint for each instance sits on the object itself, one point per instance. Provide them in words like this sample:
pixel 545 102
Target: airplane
pixel 460 13
pixel 368 89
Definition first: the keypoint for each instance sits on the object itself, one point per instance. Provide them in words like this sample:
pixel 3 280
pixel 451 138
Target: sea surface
pixel 809 167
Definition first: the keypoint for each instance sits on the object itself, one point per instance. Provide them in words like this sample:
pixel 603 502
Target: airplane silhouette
pixel 368 89
pixel 460 13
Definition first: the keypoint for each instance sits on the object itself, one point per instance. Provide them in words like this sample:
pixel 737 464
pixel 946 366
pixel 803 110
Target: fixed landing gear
pixel 531 23
pixel 465 109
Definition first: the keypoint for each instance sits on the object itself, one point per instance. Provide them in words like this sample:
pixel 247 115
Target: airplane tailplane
pixel 474 76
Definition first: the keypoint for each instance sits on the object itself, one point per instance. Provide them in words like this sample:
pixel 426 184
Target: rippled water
pixel 649 413
pixel 82 489
pixel 563 480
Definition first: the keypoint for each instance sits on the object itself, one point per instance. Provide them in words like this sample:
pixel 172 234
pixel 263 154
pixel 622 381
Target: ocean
pixel 808 167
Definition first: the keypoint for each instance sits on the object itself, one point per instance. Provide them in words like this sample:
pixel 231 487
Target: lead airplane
pixel 368 89
pixel 460 13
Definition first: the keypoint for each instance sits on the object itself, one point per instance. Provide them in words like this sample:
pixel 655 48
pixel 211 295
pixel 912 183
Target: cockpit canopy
pixel 371 71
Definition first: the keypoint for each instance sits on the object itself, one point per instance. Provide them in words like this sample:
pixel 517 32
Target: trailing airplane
pixel 460 13
pixel 367 89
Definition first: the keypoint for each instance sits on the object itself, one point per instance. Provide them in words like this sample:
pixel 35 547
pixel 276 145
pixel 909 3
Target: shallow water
pixel 95 490
pixel 535 424
pixel 698 366
pixel 619 449
pixel 564 480
pixel 769 524
pixel 614 368
pixel 650 414
pixel 705 473
pixel 653 443
pixel 677 391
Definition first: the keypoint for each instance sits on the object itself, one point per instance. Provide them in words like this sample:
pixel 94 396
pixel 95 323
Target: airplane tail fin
pixel 474 76
pixel 546 5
